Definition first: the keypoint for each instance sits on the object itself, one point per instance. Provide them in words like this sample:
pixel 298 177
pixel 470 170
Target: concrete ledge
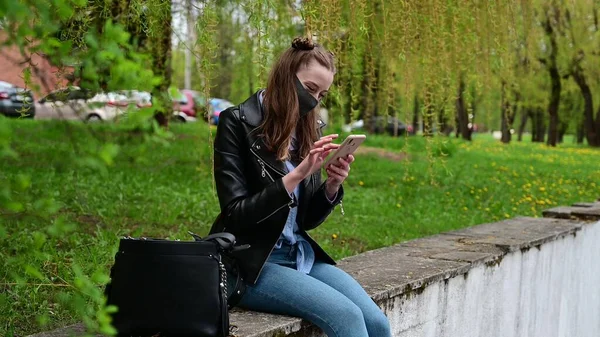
pixel 406 269
pixel 580 210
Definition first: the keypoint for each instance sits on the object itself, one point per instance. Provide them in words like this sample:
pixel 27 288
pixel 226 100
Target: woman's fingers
pixel 331 146
pixel 316 150
pixel 331 135
pixel 325 154
pixel 337 170
pixel 325 140
pixel 325 150
pixel 343 163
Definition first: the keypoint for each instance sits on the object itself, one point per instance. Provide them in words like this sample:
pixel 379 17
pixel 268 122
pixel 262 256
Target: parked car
pixel 389 125
pixel 143 99
pixel 196 106
pixel 380 125
pixel 217 105
pixel 79 104
pixel 15 101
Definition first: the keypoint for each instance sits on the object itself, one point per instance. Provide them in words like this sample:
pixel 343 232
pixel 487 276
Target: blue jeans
pixel 327 297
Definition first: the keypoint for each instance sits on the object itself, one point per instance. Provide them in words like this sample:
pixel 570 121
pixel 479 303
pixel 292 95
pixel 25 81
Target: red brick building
pixel 44 74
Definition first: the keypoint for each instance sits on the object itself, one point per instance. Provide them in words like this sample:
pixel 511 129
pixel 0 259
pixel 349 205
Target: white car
pixel 74 103
pixel 144 99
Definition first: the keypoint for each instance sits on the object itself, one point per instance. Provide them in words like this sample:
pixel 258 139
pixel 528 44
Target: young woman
pixel 268 156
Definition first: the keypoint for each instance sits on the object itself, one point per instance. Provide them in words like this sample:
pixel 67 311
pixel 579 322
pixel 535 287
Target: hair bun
pixel 303 43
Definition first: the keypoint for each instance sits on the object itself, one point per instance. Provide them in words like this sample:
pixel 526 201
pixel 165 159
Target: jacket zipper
pixel 263 171
pixel 263 174
pixel 289 204
pixel 265 162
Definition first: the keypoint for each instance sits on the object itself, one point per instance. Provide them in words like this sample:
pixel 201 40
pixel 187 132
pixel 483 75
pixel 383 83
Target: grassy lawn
pixel 157 188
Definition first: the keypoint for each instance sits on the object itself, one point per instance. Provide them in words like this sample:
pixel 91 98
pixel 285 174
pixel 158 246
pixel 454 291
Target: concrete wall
pixel 552 290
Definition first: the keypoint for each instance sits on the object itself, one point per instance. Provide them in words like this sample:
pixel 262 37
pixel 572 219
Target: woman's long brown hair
pixel 281 101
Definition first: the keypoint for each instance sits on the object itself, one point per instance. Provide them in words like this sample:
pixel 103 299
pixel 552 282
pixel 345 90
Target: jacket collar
pixel 251 111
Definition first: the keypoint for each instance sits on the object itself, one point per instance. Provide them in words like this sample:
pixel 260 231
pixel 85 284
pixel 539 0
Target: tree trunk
pixel 597 129
pixel 457 123
pixel 225 70
pixel 462 125
pixel 538 126
pixel 445 129
pixel 364 109
pixel 506 122
pixel 416 112
pixel 189 45
pixel 534 126
pixel 345 79
pixel 589 127
pixel 428 118
pixel 580 132
pixel 562 130
pixel 473 114
pixel 524 117
pixel 554 103
pixel 553 106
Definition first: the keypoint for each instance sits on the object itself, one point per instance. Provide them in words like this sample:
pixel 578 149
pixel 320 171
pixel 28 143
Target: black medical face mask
pixel 306 102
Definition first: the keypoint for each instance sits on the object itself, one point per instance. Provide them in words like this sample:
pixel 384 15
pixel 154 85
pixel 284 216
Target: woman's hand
pixel 312 163
pixel 336 174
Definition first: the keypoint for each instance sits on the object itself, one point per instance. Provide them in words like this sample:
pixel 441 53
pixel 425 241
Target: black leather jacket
pixel 254 202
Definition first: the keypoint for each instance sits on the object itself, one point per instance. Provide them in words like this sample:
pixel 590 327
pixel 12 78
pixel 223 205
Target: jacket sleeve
pixel 320 206
pixel 240 210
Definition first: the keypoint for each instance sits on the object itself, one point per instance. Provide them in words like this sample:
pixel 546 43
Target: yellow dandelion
pixel 361 183
pixel 334 236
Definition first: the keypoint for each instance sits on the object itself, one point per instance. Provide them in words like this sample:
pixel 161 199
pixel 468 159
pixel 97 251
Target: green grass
pixel 160 188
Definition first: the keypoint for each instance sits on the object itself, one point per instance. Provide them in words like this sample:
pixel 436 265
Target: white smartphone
pixel 350 144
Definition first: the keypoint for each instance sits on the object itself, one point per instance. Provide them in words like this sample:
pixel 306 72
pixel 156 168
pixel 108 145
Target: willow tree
pixel 390 53
pixel 559 39
pixel 581 47
pixel 443 58
pixel 407 49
